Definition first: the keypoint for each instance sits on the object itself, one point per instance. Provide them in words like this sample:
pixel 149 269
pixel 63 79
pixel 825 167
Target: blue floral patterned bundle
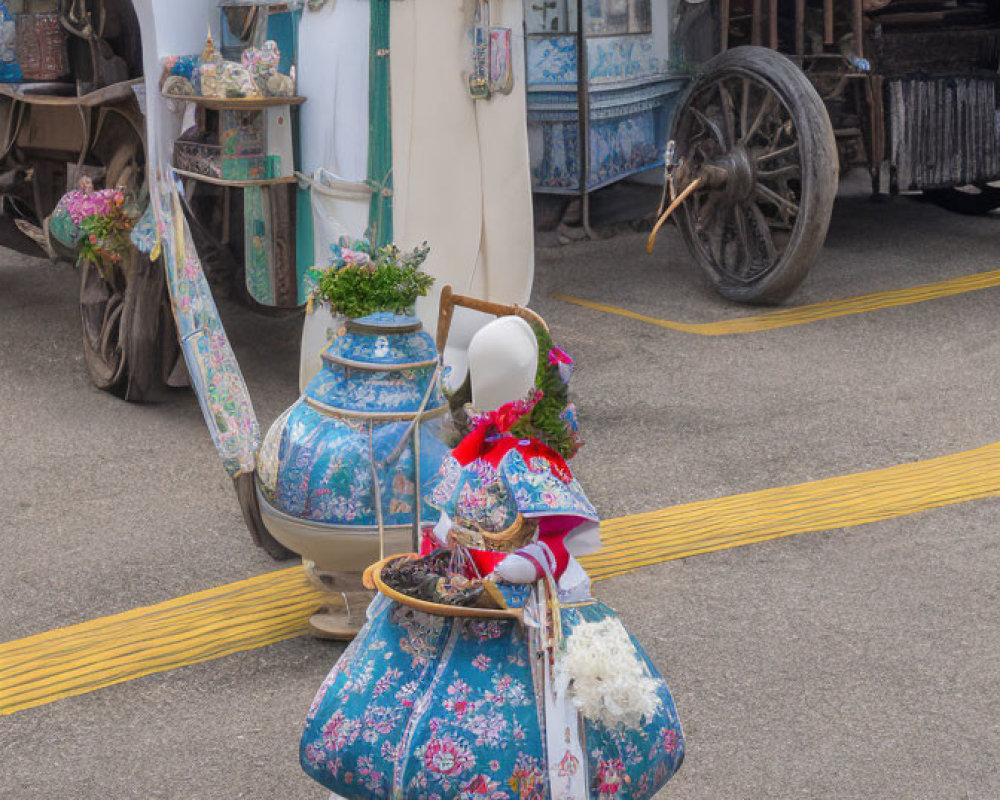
pixel 424 707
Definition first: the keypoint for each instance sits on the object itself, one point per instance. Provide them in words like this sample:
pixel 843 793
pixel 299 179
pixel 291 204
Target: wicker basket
pixel 373 578
pixel 519 534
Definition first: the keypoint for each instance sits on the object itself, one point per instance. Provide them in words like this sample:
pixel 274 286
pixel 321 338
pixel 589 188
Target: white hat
pixel 503 362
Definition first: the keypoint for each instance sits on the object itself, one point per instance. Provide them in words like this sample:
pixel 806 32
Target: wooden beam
pixel 858 28
pixel 772 23
pixel 755 37
pixel 828 21
pixel 800 27
pixel 724 27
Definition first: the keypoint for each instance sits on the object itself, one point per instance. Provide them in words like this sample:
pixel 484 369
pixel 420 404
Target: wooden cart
pixel 91 121
pixel 798 92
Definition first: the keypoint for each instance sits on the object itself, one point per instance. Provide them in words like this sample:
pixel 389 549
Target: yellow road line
pixel 702 527
pixel 187 630
pixel 787 317
pixel 270 608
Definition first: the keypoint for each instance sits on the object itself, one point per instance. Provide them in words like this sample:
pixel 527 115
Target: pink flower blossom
pixel 447 756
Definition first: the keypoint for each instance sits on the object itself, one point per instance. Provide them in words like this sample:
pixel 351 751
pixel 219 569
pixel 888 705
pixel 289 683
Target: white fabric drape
pixel 460 167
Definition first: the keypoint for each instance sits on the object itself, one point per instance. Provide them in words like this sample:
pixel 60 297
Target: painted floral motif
pixel 445 756
pixel 492 497
pixel 551 61
pixel 447 707
pixel 426 723
pixel 323 468
pixel 405 347
pixel 215 375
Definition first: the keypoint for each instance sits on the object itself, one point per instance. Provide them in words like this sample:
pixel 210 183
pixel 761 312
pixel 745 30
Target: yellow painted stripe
pixel 270 608
pixel 187 630
pixel 815 312
pixel 702 527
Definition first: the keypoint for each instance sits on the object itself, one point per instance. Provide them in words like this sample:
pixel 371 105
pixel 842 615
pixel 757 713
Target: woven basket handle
pixel 447 310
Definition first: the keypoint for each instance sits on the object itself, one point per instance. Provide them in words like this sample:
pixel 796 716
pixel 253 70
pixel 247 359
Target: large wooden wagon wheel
pixel 129 340
pixel 753 128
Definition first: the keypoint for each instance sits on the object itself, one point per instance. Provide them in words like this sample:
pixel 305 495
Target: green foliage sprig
pixel 362 280
pixel 547 420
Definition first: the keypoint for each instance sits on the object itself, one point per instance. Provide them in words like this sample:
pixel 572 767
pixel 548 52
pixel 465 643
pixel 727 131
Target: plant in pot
pixel 344 474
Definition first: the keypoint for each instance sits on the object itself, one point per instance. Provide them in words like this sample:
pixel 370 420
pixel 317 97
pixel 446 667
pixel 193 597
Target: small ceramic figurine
pixel 552 702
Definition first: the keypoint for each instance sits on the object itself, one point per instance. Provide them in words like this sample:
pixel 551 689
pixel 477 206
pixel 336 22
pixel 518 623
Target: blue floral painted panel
pixel 410 348
pixel 491 498
pixel 215 374
pixel 551 60
pixel 385 339
pixel 316 464
pixel 374 392
pixel 323 471
pixel 441 708
pixel 619 146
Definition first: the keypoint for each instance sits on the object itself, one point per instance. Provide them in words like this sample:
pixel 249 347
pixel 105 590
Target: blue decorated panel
pixel 611 60
pixel 324 471
pixel 317 464
pixel 375 391
pixel 387 349
pixel 628 134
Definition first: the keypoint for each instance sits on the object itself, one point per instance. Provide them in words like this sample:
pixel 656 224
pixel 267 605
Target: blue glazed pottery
pixel 362 446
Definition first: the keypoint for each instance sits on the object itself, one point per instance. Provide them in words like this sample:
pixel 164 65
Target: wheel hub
pixel 732 173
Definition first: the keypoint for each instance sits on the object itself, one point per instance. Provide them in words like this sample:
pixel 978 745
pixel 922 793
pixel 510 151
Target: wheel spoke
pixel 781 151
pixel 728 113
pixel 744 265
pixel 776 199
pixel 763 232
pixel 783 127
pixel 745 106
pixel 110 347
pixel 780 173
pixel 762 112
pixel 715 130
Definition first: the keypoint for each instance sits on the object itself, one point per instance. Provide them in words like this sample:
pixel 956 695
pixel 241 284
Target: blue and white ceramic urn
pixel 359 449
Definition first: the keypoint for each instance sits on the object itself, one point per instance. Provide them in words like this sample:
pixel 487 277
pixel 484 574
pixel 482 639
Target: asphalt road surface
pixel 856 663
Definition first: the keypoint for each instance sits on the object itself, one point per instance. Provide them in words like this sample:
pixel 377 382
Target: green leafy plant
pixel 548 420
pixel 362 280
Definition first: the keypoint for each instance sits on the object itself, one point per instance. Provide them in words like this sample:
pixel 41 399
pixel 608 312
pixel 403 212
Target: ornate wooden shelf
pixel 236 103
pixel 197 176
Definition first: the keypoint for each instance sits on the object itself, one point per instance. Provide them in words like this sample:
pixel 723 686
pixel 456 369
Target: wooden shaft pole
pixel 828 21
pixel 772 24
pixel 755 37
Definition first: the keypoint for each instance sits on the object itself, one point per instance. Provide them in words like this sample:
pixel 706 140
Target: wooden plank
pixel 281 202
pixel 48 94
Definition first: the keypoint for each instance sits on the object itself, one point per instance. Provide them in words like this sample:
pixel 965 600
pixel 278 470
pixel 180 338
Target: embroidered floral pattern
pixel 423 722
pixel 442 708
